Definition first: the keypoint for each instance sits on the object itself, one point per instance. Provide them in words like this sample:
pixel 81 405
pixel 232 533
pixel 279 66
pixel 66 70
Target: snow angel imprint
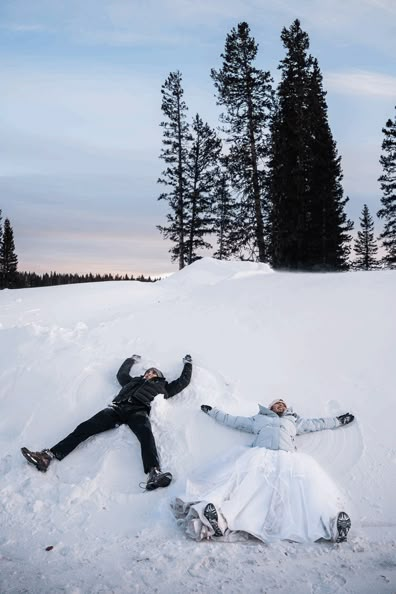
pixel 268 490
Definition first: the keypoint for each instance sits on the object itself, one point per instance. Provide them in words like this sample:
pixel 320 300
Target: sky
pixel 80 110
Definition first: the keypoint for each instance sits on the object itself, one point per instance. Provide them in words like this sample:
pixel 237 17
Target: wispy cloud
pixel 362 83
pixel 137 254
pixel 81 108
pixel 133 22
pixel 78 120
pixel 24 28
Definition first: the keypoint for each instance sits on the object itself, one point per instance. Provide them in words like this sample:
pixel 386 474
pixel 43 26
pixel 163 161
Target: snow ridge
pixel 322 342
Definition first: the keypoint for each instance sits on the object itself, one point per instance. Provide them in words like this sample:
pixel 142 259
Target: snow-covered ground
pixel 323 342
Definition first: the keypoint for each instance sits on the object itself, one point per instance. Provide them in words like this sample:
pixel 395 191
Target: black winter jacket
pixel 138 393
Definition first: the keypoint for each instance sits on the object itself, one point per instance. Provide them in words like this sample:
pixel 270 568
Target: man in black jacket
pixel 131 406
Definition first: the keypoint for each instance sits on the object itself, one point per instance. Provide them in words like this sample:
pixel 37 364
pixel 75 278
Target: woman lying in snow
pixel 268 490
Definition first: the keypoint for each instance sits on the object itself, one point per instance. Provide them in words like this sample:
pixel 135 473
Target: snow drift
pixel 323 342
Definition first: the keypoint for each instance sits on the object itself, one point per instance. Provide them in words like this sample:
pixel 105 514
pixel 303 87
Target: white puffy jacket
pixel 272 431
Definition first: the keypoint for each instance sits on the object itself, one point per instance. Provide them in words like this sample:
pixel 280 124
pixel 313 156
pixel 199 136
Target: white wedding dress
pixel 271 495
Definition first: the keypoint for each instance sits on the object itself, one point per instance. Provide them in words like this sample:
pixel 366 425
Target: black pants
pixel 109 418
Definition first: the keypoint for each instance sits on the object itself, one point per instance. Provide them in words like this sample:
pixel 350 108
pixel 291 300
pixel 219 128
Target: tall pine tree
pixel 8 257
pixel 365 244
pixel 1 253
pixel 327 238
pixel 224 211
pixel 388 187
pixel 308 225
pixel 288 163
pixel 246 94
pixel 176 136
pixel 202 173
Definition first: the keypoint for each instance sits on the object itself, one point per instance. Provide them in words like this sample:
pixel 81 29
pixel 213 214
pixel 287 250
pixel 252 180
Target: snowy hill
pixel 325 343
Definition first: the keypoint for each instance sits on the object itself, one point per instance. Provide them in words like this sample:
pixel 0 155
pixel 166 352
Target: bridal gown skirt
pixel 271 495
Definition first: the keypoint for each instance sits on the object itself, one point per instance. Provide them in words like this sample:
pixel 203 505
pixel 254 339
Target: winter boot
pixel 210 514
pixel 343 525
pixel 41 460
pixel 156 479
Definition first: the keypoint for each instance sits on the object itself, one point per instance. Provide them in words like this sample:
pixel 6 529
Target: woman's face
pixel 279 407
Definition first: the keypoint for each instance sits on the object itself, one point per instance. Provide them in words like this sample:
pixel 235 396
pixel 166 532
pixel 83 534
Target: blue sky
pixel 80 111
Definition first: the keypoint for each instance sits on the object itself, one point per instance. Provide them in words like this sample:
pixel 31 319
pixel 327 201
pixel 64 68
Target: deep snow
pixel 324 342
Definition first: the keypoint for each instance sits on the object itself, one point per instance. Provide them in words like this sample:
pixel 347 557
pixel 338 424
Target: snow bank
pixel 323 342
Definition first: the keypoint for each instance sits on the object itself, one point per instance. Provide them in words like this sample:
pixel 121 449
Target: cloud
pixel 168 22
pixel 361 82
pixel 78 121
pixel 24 28
pixel 137 254
pixel 86 224
pixel 81 94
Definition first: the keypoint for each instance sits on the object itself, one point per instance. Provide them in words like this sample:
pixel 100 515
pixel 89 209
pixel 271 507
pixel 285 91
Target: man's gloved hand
pixel 187 359
pixel 205 408
pixel 136 358
pixel 345 419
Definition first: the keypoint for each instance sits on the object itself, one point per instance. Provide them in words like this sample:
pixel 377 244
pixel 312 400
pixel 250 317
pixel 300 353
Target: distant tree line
pixel 31 279
pixel 10 278
pixel 267 185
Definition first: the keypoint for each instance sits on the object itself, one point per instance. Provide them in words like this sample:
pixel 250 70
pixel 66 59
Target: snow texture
pixel 322 342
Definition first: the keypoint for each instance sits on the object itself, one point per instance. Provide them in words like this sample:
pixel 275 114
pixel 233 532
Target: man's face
pixel 150 374
pixel 279 408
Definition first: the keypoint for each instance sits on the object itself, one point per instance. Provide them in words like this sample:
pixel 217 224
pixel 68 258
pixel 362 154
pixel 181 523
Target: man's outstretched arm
pixel 182 382
pixel 123 372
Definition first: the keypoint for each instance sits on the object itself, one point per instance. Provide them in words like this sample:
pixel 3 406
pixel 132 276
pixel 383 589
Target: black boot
pixel 210 514
pixel 343 525
pixel 41 460
pixel 156 479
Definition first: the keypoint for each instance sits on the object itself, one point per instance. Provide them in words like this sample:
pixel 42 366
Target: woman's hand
pixel 345 419
pixel 206 408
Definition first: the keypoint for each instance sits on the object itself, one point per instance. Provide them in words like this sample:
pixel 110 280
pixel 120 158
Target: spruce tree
pixel 288 161
pixel 224 210
pixel 8 257
pixel 1 253
pixel 246 94
pixel 308 225
pixel 202 173
pixel 327 238
pixel 365 244
pixel 176 136
pixel 388 187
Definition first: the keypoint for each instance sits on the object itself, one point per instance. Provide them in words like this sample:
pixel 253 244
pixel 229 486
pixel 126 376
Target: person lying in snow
pixel 267 490
pixel 131 406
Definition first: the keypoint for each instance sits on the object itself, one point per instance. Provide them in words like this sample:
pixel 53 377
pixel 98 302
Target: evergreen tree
pixel 327 238
pixel 224 211
pixel 365 245
pixel 202 172
pixel 288 161
pixel 308 225
pixel 246 93
pixel 1 253
pixel 388 187
pixel 176 137
pixel 8 257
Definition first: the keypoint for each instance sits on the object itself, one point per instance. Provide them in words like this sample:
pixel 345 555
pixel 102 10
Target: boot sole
pixel 27 454
pixel 343 526
pixel 210 514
